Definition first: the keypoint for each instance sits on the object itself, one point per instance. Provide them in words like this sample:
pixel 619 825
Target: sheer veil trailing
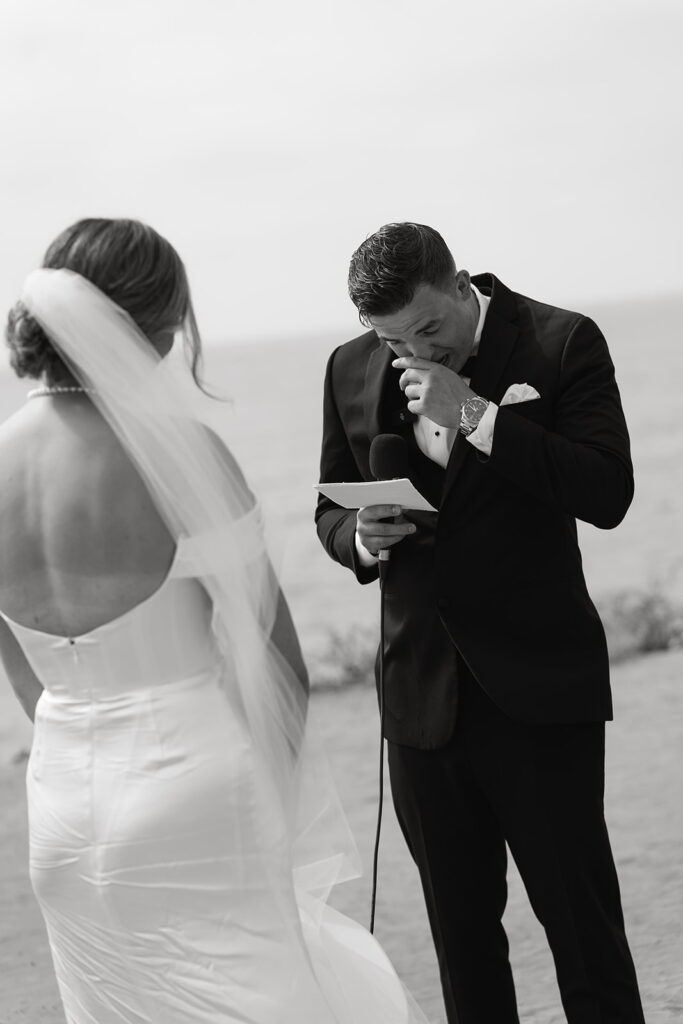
pixel 162 420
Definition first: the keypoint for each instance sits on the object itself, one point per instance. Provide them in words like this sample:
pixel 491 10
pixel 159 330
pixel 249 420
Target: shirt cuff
pixel 482 437
pixel 366 557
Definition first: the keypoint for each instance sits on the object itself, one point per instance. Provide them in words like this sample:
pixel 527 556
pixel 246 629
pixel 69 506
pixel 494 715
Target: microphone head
pixel 389 457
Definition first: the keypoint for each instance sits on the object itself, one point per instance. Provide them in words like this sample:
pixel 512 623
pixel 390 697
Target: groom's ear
pixel 462 286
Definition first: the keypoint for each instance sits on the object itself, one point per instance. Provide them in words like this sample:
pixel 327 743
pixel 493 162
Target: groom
pixel 496 672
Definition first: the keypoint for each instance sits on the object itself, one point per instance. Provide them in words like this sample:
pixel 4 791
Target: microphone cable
pixel 389 460
pixel 383 566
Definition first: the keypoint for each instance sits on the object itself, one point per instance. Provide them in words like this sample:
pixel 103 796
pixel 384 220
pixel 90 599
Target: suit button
pixel 443 603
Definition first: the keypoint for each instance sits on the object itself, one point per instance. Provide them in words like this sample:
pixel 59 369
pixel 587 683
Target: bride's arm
pixel 283 633
pixel 286 641
pixel 23 679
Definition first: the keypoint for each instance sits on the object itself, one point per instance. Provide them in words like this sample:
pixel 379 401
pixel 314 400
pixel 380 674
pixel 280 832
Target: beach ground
pixel 644 812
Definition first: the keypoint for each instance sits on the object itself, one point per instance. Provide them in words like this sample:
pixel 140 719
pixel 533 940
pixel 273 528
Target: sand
pixel 644 815
pixel 644 743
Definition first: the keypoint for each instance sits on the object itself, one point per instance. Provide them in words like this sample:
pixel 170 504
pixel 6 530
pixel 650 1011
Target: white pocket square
pixel 519 393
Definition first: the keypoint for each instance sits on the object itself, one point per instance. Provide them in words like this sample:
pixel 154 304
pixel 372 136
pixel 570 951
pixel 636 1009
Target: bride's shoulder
pixel 23 435
pixel 18 423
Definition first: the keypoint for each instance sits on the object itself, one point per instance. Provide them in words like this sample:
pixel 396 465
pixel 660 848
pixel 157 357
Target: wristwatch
pixel 471 414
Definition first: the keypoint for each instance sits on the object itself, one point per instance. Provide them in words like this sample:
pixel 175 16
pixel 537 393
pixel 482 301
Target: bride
pixel 183 834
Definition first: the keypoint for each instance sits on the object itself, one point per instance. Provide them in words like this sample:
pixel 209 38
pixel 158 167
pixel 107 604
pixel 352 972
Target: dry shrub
pixel 345 659
pixel 638 621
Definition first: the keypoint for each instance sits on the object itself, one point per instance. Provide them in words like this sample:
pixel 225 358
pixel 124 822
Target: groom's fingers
pixel 397 530
pixel 410 377
pixel 412 363
pixel 375 532
pixel 371 513
pixel 376 542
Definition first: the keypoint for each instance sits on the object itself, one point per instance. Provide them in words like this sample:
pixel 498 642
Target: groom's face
pixel 439 324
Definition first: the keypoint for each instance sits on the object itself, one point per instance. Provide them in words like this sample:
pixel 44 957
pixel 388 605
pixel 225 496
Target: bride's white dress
pixel 147 844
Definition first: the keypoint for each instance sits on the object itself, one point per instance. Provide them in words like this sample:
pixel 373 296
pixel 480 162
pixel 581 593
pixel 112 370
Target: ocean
pixel 273 424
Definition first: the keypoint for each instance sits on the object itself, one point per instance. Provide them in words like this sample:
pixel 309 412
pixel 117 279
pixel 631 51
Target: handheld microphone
pixel 389 457
pixel 389 460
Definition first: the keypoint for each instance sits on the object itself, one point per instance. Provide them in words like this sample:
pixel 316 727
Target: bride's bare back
pixel 80 540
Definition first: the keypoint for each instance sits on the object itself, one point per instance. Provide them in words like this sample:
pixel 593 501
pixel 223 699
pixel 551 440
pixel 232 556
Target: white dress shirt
pixel 436 441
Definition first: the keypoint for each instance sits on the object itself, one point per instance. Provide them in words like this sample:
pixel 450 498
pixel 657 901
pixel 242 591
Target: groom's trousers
pixel 538 788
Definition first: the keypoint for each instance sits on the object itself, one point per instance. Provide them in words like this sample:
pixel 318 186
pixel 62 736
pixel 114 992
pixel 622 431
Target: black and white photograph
pixel 341 505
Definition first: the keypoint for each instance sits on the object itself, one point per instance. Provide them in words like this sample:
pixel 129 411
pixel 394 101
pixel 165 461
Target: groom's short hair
pixel 392 263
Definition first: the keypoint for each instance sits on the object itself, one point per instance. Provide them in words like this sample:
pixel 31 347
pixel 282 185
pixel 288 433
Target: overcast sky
pixel 266 140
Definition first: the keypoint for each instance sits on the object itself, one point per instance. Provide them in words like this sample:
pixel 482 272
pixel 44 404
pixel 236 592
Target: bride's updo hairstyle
pixel 135 267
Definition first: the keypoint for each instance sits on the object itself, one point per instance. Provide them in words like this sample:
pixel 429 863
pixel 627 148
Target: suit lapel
pixel 495 348
pixel 377 381
pixel 497 340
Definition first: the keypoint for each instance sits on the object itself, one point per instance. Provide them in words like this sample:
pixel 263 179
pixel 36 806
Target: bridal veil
pixel 164 423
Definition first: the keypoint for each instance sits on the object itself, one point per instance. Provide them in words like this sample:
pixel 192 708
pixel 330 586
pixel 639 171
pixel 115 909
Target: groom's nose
pixel 413 348
pixel 421 350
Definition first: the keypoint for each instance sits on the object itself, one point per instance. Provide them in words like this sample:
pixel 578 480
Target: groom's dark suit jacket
pixel 496 575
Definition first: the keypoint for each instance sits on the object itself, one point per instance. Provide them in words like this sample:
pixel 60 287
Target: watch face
pixel 474 409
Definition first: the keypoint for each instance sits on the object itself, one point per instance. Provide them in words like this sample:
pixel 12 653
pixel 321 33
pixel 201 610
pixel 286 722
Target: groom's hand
pixel 376 533
pixel 433 390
